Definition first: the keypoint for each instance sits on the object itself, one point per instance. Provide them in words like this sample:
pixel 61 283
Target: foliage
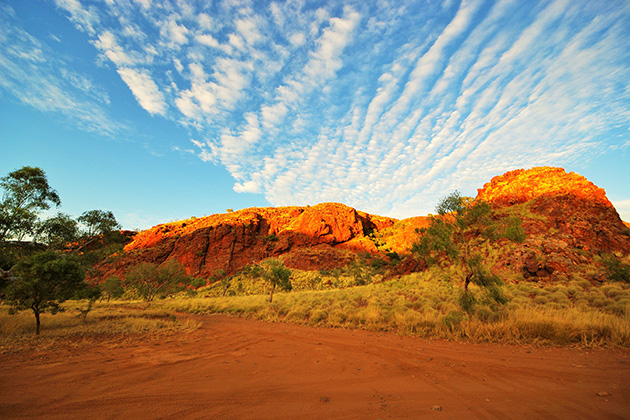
pixel 112 287
pixel 99 222
pixel 455 235
pixel 26 192
pixel 514 230
pixel 151 281
pixel 43 281
pixel 576 313
pixel 58 231
pixel 91 294
pixel 276 275
pixel 616 270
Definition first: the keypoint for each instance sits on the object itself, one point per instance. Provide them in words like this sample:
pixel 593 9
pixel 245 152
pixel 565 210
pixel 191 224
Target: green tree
pixel 276 275
pixel 151 281
pixel 91 294
pixel 112 287
pixel 42 282
pixel 26 193
pixel 99 222
pixel 454 234
pixel 58 231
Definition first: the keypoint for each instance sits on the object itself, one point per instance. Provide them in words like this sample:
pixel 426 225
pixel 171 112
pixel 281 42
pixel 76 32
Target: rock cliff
pixel 568 220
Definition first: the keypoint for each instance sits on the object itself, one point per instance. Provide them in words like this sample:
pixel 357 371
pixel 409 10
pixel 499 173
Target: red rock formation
pixel 323 236
pixel 523 185
pixel 569 216
pixel 563 214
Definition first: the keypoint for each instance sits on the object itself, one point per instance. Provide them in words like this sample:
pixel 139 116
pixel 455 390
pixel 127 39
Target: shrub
pixel 151 281
pixel 616 270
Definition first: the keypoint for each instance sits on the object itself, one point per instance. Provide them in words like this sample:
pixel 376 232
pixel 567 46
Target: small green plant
pixel 91 294
pixel 616 270
pixel 514 230
pixel 271 238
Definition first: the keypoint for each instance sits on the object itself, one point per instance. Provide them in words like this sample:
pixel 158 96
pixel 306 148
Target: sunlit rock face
pixel 573 209
pixel 327 235
pixel 523 185
pixel 568 220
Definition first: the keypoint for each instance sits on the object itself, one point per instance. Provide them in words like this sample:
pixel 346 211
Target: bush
pixel 151 281
pixel 616 270
pixel 514 230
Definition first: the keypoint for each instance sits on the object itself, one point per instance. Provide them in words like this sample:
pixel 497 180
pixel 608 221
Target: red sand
pixel 233 368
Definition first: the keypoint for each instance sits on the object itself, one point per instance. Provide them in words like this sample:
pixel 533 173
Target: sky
pixel 163 110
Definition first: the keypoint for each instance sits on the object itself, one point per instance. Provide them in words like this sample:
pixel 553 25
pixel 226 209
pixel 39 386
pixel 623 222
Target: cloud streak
pixel 31 73
pixel 386 106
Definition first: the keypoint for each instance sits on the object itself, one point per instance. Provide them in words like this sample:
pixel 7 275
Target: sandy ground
pixel 233 368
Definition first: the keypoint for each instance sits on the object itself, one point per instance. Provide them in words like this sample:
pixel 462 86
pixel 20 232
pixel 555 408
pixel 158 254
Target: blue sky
pixel 162 110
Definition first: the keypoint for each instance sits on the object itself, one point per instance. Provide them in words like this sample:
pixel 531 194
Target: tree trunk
pixel 37 322
pixel 468 278
pixel 271 294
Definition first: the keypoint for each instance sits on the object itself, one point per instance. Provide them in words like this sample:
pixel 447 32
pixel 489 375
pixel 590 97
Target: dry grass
pixel 426 305
pixel 421 304
pixel 114 322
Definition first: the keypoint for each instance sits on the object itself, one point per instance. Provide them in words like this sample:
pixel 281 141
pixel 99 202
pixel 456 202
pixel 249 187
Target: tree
pixel 462 224
pixel 276 275
pixel 151 281
pixel 26 193
pixel 42 282
pixel 112 287
pixel 99 222
pixel 58 231
pixel 91 294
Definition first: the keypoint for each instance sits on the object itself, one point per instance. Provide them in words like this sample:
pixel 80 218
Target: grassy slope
pixel 426 305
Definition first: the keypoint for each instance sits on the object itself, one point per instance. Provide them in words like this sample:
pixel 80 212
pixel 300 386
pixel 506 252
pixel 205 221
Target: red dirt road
pixel 233 368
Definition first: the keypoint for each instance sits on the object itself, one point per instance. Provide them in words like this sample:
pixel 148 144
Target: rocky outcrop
pixel 567 218
pixel 327 235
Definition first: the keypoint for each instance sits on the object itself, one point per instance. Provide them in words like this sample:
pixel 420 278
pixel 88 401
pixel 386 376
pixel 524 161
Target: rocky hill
pixel 327 235
pixel 568 220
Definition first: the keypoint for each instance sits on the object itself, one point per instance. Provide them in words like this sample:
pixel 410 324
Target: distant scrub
pixel 419 305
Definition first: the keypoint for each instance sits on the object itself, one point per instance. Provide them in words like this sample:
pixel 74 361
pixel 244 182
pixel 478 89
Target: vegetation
pixel 458 297
pixel 616 270
pixel 42 282
pixel 26 193
pixel 151 281
pixel 455 236
pixel 116 322
pixel 99 222
pixel 425 305
pixel 58 231
pixel 275 274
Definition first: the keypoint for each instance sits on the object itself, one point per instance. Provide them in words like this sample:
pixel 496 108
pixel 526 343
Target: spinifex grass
pixel 426 305
pixel 113 321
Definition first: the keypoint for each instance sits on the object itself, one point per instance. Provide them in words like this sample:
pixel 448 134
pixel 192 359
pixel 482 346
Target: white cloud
pixel 35 76
pixel 107 43
pixel 248 28
pixel 297 39
pixel 623 208
pixel 325 61
pixel 85 19
pixel 173 33
pixel 144 90
pixel 383 105
pixel 208 40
